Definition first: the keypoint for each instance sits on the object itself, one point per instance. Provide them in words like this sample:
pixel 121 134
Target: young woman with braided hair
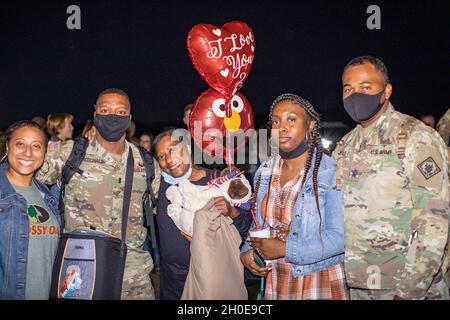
pixel 295 196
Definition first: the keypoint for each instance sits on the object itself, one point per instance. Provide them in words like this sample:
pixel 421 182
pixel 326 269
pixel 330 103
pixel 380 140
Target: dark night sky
pixel 140 46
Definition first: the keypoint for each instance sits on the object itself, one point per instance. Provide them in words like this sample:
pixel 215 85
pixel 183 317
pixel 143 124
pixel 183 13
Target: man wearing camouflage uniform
pixel 393 173
pixel 96 198
pixel 443 127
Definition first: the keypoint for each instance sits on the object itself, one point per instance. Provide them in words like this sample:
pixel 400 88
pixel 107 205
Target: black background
pixel 140 46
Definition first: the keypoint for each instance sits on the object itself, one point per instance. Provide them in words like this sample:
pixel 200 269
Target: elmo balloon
pixel 223 56
pixel 215 132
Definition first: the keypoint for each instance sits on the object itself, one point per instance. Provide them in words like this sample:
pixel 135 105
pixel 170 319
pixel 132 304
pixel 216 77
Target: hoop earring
pixel 3 159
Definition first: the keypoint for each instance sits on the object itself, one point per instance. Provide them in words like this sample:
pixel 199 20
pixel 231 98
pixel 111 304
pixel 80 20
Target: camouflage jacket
pixel 396 205
pixel 443 127
pixel 96 198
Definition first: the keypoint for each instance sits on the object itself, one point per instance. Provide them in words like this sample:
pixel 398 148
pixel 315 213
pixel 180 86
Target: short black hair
pixel 115 91
pixel 162 134
pixel 169 131
pixel 377 63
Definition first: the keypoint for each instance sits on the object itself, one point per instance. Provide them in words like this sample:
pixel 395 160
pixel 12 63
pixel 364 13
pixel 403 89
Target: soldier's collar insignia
pixel 429 168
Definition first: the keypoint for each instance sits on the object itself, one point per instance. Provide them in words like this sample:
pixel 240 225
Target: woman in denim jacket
pixel 29 219
pixel 295 196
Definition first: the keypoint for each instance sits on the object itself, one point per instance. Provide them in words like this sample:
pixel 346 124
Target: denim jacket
pixel 14 235
pixel 312 245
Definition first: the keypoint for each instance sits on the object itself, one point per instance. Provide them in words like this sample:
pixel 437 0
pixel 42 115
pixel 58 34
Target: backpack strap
pixel 71 167
pixel 403 135
pixel 150 173
pixel 75 159
pixel 149 196
pixel 126 199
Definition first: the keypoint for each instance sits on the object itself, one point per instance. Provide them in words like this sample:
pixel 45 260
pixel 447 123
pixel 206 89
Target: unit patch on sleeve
pixel 429 168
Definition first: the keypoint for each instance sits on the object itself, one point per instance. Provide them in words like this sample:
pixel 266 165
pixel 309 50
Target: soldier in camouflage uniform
pixel 95 199
pixel 443 127
pixel 393 172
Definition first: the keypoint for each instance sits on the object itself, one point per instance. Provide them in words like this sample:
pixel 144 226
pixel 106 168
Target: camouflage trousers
pixel 138 287
pixel 437 291
pixel 137 284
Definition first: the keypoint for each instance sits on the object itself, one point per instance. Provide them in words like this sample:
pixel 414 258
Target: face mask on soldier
pixel 362 107
pixel 111 126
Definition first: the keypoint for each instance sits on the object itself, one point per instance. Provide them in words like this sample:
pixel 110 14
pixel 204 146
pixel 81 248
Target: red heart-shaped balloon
pixel 223 56
pixel 210 126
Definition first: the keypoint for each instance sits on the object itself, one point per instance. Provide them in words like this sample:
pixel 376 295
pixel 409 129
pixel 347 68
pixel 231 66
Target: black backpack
pixel 73 164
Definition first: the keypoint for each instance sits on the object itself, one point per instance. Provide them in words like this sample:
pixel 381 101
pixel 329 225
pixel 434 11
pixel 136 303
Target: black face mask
pixel 111 126
pixel 298 151
pixel 361 107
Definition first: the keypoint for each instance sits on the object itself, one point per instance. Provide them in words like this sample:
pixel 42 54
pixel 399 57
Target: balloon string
pixel 229 159
pixel 254 218
pixel 230 163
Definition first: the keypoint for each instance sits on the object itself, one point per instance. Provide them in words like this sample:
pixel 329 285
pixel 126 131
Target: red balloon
pixel 210 127
pixel 223 56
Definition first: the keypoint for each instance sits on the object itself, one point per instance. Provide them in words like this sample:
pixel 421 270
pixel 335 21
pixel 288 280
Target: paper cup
pixel 259 233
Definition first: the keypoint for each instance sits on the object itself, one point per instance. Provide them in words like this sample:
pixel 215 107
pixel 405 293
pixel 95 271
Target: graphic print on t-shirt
pixel 38 217
pixel 38 214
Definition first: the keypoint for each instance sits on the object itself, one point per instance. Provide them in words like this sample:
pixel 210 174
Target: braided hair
pixel 314 142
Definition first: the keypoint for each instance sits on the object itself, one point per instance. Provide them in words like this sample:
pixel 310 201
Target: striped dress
pixel 328 284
